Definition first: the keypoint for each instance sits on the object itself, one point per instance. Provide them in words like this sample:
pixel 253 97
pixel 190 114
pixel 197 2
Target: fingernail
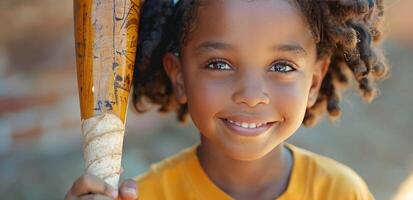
pixel 114 194
pixel 130 191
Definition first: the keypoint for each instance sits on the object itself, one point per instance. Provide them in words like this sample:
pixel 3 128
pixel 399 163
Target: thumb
pixel 128 190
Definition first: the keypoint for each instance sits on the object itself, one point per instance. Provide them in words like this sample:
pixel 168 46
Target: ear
pixel 320 69
pixel 173 69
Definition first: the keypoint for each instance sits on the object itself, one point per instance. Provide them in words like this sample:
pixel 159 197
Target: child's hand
pixel 128 190
pixel 89 186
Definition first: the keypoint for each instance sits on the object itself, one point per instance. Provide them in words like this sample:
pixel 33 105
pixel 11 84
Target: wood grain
pixel 106 35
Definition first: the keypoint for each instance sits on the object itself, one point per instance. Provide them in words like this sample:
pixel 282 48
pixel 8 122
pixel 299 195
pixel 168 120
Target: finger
pixel 89 183
pixel 128 190
pixel 121 170
pixel 94 197
pixel 70 196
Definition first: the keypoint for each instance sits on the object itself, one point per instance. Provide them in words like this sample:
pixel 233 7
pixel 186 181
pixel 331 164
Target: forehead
pixel 251 23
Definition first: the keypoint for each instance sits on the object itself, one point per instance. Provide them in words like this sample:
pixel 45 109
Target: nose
pixel 251 92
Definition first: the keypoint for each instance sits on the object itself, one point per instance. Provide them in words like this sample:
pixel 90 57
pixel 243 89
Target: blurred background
pixel 40 139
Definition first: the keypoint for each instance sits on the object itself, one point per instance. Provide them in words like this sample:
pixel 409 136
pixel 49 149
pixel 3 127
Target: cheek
pixel 205 99
pixel 291 101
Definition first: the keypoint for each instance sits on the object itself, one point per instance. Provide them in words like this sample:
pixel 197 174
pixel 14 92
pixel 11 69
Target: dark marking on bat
pixel 120 86
pixel 121 53
pixel 108 105
pixel 119 78
pixel 129 23
pixel 128 81
pixel 114 65
pixel 99 106
pixel 98 3
pixel 95 23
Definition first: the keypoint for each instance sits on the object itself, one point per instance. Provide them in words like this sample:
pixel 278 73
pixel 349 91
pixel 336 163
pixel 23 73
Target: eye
pixel 283 67
pixel 218 64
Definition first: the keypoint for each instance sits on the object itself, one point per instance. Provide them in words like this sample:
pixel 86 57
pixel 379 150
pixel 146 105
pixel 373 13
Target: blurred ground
pixel 40 140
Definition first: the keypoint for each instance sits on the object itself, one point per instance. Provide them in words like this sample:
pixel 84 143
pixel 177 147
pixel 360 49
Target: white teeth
pixel 252 125
pixel 246 125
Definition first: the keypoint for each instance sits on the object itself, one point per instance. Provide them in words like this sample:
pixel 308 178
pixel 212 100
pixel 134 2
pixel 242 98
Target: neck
pixel 265 177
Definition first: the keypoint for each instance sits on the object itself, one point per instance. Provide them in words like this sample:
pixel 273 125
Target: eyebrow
pixel 216 45
pixel 294 48
pixel 213 45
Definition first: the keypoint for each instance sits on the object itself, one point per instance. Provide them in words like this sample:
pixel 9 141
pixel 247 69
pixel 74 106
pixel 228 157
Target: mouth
pixel 247 129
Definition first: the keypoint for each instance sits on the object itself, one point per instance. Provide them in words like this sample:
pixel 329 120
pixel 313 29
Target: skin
pixel 272 33
pixel 89 186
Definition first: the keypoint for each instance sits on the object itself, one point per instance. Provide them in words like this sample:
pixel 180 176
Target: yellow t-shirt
pixel 313 177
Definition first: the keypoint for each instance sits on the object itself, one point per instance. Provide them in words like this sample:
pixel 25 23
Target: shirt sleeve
pixel 333 180
pixel 353 187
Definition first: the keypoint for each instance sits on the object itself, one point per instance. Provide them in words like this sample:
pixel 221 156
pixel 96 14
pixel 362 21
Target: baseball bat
pixel 106 36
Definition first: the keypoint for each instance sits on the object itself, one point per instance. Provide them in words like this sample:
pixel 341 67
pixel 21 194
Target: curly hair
pixel 346 31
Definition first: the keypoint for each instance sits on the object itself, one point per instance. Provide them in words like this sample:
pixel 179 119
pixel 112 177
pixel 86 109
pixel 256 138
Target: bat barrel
pixel 106 39
pixel 106 36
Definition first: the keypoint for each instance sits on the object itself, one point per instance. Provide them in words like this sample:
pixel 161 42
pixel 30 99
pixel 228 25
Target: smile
pixel 245 124
pixel 247 129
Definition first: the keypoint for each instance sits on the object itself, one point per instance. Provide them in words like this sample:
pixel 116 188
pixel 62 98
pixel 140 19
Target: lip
pixel 248 118
pixel 247 132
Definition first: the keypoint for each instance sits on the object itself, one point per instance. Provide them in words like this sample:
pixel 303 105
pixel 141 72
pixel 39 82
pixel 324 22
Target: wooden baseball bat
pixel 106 36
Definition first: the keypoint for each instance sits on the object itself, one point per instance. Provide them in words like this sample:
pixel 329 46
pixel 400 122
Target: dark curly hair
pixel 347 31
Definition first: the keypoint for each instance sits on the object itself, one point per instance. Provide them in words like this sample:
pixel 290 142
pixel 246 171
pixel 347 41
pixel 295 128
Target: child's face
pixel 264 69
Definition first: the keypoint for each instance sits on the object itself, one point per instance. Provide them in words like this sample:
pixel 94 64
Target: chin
pixel 246 154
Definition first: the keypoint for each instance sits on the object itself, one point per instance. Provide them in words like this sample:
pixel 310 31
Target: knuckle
pixel 82 179
pixel 83 183
pixel 87 177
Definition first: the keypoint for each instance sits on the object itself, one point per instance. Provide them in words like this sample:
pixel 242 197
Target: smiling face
pixel 247 64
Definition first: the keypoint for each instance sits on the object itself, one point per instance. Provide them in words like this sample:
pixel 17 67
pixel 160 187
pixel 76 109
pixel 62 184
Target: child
pixel 249 73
